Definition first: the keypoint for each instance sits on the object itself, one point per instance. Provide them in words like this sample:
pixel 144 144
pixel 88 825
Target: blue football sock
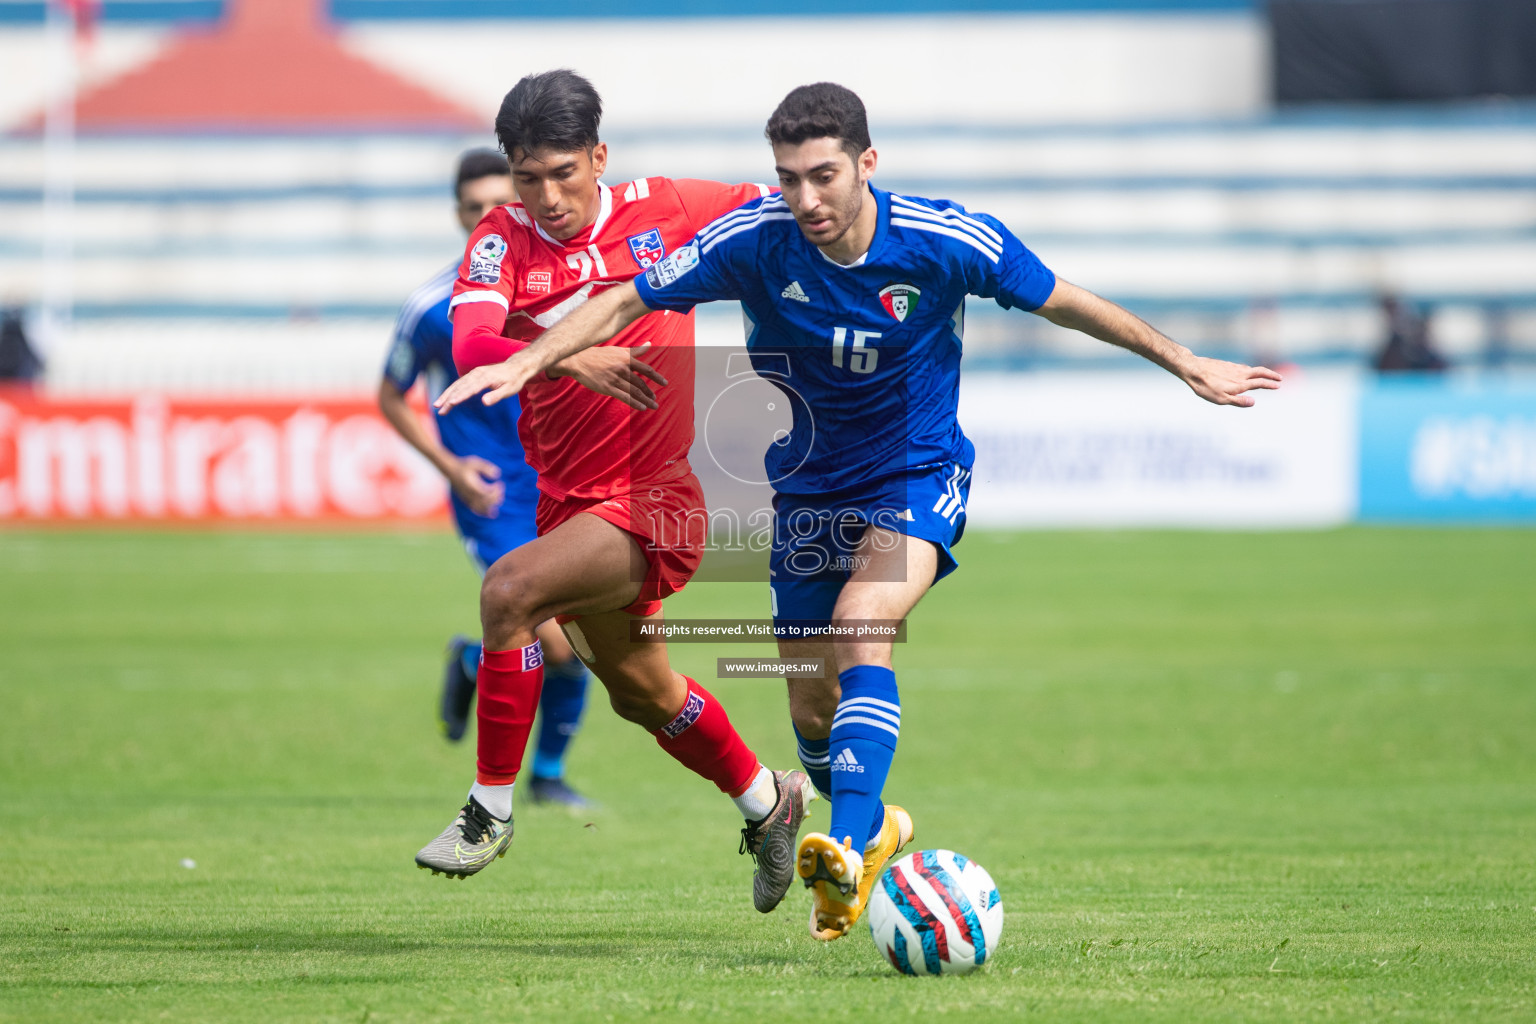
pixel 470 659
pixel 862 744
pixel 816 762
pixel 560 707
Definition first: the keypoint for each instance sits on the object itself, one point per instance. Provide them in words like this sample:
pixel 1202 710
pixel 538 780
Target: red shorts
pixel 668 520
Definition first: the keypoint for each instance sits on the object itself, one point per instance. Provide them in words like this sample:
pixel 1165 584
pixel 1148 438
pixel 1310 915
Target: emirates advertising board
pixel 151 459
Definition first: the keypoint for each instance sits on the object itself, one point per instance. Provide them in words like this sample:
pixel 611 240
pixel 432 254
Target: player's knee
pixel 812 721
pixel 648 710
pixel 509 598
pixel 853 609
pixel 812 708
pixel 866 625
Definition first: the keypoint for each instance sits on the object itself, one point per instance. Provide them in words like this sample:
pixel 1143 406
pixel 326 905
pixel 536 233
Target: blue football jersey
pixel 868 354
pixel 423 345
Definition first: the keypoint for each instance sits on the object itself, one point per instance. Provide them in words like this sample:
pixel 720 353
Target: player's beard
pixel 845 214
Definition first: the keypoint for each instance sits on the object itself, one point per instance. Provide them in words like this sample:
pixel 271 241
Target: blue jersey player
pixel 855 301
pixel 492 490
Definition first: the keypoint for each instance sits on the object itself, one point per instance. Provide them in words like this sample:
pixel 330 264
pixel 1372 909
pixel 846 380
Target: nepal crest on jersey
pixel 647 247
pixel 900 299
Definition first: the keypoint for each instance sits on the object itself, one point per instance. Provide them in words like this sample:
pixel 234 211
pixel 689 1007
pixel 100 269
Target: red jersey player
pixel 620 515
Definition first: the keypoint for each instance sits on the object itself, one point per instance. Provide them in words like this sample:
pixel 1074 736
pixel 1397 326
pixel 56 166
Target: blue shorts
pixel 487 538
pixel 815 535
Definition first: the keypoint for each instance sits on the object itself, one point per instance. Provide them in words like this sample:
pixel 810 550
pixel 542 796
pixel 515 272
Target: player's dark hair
pixel 558 110
pixel 477 164
pixel 824 110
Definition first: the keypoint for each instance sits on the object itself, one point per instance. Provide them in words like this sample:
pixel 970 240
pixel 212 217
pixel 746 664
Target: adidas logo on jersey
pixel 846 762
pixel 794 291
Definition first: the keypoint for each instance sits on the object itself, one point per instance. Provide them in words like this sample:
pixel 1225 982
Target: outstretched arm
pixel 593 322
pixel 1214 380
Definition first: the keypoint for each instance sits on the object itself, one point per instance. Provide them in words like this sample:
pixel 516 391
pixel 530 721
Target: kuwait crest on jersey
pixel 899 300
pixel 647 247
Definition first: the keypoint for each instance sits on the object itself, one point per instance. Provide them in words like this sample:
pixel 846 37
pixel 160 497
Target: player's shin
pixel 702 738
pixel 509 684
pixel 817 761
pixel 863 742
pixel 470 658
pixel 560 707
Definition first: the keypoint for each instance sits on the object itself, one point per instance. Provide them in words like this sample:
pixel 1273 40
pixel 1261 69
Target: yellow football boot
pixel 831 870
pixel 895 833
pixel 839 884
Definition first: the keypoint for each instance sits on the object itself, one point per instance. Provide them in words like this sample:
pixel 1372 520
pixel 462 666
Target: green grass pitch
pixel 1270 777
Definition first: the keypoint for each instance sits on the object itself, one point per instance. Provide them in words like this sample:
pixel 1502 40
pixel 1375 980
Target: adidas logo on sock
pixel 794 291
pixel 846 762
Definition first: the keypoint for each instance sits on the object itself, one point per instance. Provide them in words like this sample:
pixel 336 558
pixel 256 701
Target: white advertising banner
pixel 1097 449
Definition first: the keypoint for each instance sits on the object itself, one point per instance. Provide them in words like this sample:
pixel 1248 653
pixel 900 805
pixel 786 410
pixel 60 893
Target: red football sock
pixel 703 739
pixel 507 686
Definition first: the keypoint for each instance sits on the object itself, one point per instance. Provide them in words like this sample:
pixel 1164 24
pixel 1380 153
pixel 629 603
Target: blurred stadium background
pixel 1217 774
pixel 235 196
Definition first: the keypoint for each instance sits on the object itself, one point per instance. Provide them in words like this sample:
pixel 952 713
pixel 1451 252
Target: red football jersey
pixel 586 445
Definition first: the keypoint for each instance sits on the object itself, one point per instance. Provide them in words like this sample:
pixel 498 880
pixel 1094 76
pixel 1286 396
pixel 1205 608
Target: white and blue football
pixel 935 912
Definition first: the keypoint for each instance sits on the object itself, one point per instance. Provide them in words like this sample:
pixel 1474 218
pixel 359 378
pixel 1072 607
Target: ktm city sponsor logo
pixel 153 459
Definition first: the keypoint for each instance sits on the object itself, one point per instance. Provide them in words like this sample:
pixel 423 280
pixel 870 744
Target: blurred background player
pixel 612 483
pixel 19 363
pixel 861 292
pixel 493 491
